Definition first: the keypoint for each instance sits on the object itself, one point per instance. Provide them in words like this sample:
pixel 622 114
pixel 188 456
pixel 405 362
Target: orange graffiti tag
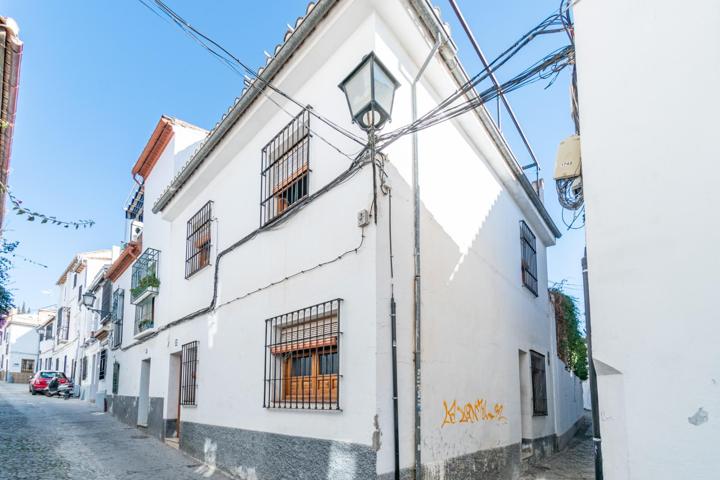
pixel 472 412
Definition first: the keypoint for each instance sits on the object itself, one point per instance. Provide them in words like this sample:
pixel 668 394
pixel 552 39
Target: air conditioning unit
pixel 568 163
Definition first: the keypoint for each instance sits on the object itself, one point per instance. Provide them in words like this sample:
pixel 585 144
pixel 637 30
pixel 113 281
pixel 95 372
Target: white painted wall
pixel 477 313
pixel 650 173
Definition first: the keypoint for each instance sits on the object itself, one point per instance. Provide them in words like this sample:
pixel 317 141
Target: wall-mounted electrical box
pixel 568 163
pixel 363 218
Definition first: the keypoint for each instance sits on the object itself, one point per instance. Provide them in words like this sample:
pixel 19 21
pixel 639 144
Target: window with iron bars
pixel 539 385
pixel 106 297
pixel 103 363
pixel 529 258
pixel 62 324
pixel 117 314
pixel 188 373
pixel 285 168
pixel 198 240
pixel 144 315
pixel 302 358
pixel 84 367
pixel 116 378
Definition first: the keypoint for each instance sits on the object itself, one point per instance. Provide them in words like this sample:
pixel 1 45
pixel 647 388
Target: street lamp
pixel 88 300
pixel 370 91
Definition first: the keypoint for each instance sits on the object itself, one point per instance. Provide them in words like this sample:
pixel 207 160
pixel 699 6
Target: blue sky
pixel 96 76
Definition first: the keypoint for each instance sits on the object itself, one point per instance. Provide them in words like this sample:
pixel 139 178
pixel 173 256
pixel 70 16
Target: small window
pixel 285 168
pixel 198 240
pixel 74 280
pixel 529 258
pixel 103 361
pixel 84 367
pixel 106 301
pixel 27 366
pixel 302 358
pixel 188 373
pixel 117 313
pixel 57 364
pixel 116 378
pixel 80 294
pixel 145 315
pixel 539 385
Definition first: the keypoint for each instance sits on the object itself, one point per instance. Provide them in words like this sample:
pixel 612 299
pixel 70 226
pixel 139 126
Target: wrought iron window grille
pixel 285 168
pixel 302 358
pixel 529 258
pixel 145 279
pixel 198 241
pixel 539 383
pixel 117 314
pixel 188 373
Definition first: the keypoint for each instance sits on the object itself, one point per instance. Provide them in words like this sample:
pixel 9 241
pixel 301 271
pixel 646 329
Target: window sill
pixel 196 272
pixel 145 333
pixel 307 406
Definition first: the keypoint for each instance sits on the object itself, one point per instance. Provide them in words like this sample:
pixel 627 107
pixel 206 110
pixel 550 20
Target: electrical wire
pixel 228 58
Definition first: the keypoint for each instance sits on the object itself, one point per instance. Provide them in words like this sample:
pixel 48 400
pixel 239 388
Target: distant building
pixel 19 345
pixel 65 334
pixel 10 56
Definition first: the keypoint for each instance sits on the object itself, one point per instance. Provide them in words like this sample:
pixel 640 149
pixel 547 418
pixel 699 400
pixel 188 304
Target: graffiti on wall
pixel 480 411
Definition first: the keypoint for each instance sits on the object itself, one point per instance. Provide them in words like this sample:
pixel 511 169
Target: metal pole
pixel 597 441
pixel 371 138
pixel 416 254
pixel 501 95
pixel 396 427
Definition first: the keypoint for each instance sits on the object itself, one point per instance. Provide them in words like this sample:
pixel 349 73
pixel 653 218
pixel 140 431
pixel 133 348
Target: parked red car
pixel 39 382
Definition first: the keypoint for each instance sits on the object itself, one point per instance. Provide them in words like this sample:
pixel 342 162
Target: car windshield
pixel 52 375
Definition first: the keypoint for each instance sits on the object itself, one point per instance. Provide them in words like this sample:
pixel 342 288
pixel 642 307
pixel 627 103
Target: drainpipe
pixel 416 255
pixel 597 442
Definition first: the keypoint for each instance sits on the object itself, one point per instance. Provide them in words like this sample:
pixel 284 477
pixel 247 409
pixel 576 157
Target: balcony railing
pixel 145 282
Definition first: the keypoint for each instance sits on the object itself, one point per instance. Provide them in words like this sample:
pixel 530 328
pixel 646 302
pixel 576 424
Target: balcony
pixel 145 283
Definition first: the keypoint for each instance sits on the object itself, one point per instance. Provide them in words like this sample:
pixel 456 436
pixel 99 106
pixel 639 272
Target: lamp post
pixel 370 90
pixel 88 300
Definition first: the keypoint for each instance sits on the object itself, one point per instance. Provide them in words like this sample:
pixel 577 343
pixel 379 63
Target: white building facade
pixel 63 337
pixel 651 232
pixel 19 345
pixel 258 334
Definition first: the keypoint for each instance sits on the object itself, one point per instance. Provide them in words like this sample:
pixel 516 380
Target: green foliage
pixel 572 345
pixel 148 281
pixel 6 297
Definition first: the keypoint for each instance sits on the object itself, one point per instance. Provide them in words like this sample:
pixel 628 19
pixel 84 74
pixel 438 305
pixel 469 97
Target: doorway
pixel 144 395
pixel 173 396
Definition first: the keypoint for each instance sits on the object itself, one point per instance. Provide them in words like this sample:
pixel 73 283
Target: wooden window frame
pixel 285 168
pixel 198 240
pixel 307 333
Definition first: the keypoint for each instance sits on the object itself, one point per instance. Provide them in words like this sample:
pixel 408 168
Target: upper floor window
pixel 529 258
pixel 103 364
pixel 285 168
pixel 74 280
pixel 302 358
pixel 197 246
pixel 106 301
pixel 116 314
pixel 539 385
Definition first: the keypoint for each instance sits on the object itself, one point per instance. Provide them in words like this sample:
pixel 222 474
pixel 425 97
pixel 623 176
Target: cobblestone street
pixel 50 438
pixel 573 463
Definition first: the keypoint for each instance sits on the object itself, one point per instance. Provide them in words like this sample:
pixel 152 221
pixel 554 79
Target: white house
pixel 257 303
pixel 63 336
pixel 19 345
pixel 650 171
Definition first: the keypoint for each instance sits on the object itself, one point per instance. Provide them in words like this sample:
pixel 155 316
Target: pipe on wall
pixel 417 297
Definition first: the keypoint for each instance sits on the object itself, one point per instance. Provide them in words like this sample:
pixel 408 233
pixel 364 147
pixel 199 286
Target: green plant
pixel 571 343
pixel 148 281
pixel 6 297
pixel 145 324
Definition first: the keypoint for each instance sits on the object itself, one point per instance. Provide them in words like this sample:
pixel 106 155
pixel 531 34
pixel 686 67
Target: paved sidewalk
pixel 54 439
pixel 573 463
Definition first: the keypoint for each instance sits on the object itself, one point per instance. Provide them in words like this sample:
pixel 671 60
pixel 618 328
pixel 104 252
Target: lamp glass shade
pixel 370 91
pixel 88 299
